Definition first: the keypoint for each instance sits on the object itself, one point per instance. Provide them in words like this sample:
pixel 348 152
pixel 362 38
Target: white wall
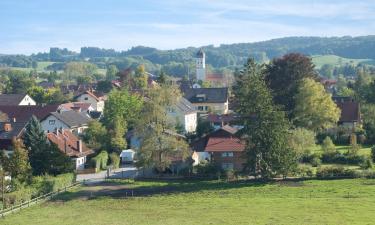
pixel 190 122
pixel 80 162
pixel 96 105
pixel 198 157
pixel 51 123
pixel 27 100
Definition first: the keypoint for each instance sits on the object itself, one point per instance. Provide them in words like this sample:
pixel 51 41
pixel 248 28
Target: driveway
pixel 126 171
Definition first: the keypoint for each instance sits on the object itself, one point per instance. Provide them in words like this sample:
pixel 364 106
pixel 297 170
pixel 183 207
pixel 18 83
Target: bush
pixel 336 157
pixel 40 185
pixel 304 171
pixel 334 171
pixel 230 175
pixel 115 160
pixel 207 168
pixel 328 145
pixel 373 153
pixel 100 161
pixel 315 161
pixel 367 164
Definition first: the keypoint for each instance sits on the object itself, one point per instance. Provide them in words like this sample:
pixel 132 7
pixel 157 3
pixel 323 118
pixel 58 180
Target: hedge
pixel 40 185
pixel 100 161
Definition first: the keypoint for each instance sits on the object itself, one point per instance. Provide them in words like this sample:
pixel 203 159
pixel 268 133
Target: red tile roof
pixel 68 143
pixel 224 144
pixel 83 106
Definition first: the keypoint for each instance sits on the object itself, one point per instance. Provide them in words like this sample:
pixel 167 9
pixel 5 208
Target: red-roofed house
pixel 221 147
pixel 71 145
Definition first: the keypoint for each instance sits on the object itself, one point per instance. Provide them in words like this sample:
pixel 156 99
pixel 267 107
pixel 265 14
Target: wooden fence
pixel 36 200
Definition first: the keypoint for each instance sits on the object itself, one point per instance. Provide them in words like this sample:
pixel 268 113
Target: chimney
pixel 79 146
pixel 7 127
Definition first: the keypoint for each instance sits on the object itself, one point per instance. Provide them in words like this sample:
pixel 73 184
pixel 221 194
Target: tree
pixel 104 86
pixel 95 136
pixel 162 79
pixel 18 163
pixel 18 82
pixel 302 141
pixel 266 128
pixel 328 146
pixel 117 134
pixel 368 116
pixel 44 157
pixel 124 105
pixel 315 109
pixel 141 77
pixel 111 73
pixel 326 70
pixel 37 93
pixel 83 79
pixel 159 141
pixel 283 76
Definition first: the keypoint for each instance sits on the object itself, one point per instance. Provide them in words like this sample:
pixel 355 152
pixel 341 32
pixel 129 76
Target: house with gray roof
pixel 16 99
pixel 208 99
pixel 185 115
pixel 74 121
pixel 10 130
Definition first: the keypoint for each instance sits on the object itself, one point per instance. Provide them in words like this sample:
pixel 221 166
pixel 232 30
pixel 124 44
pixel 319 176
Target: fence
pixel 36 200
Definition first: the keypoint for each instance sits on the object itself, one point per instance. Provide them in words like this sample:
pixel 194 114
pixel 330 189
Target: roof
pixel 72 118
pixel 24 113
pixel 98 96
pixel 68 143
pixel 185 106
pixel 224 118
pixel 226 132
pixel 7 136
pixel 11 99
pixel 82 106
pixel 206 95
pixel 16 131
pixel 222 144
pixel 350 111
pixel 215 77
pixel 200 53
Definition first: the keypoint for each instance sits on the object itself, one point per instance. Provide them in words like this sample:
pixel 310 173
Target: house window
pixel 86 98
pixel 200 108
pixel 227 154
pixel 227 166
pixel 51 122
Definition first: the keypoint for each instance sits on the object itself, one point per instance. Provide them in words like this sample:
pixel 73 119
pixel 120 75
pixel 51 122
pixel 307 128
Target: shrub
pixel 115 160
pixel 206 169
pixel 315 161
pixel 328 145
pixel 304 171
pixel 367 164
pixel 230 175
pixel 336 157
pixel 334 171
pixel 373 153
pixel 100 161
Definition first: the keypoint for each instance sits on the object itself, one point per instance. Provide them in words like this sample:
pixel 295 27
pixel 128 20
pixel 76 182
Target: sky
pixel 31 26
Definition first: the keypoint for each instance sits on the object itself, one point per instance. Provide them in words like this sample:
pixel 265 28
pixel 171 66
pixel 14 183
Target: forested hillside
pixel 180 61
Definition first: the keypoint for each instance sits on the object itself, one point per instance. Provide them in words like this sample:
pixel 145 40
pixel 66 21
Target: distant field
pixel 320 60
pixel 209 202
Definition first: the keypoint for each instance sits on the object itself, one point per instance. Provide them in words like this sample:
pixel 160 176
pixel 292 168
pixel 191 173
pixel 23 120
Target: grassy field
pixel 209 202
pixel 365 150
pixel 320 60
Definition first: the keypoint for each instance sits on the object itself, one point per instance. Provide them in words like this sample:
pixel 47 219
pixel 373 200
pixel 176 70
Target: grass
pixel 365 150
pixel 334 60
pixel 212 202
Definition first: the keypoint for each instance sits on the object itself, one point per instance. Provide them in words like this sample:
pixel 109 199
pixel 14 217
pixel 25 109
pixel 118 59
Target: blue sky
pixel 28 26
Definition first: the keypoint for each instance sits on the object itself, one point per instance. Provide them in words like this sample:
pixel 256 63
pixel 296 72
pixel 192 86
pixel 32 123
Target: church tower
pixel 200 65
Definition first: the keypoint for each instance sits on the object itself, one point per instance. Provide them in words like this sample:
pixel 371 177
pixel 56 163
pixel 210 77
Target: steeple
pixel 200 65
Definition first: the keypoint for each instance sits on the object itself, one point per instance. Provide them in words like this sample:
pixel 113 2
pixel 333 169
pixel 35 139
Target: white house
pixel 74 121
pixel 96 100
pixel 185 114
pixel 16 99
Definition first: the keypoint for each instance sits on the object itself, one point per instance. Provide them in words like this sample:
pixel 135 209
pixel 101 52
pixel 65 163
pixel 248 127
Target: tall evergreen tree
pixel 18 163
pixel 266 128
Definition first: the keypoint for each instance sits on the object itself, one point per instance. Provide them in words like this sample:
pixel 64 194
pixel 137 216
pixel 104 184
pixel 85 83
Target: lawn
pixel 334 60
pixel 209 202
pixel 365 150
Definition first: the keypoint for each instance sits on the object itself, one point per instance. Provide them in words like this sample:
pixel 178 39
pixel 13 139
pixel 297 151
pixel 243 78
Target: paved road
pixel 126 171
